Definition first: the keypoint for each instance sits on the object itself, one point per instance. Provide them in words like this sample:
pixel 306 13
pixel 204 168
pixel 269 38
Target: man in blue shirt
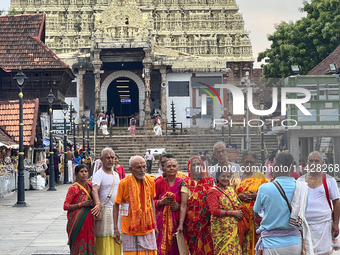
pixel 278 237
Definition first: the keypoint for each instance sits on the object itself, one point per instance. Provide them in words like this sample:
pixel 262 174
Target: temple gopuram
pixel 140 56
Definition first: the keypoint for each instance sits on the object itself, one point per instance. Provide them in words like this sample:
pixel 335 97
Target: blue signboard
pixel 125 100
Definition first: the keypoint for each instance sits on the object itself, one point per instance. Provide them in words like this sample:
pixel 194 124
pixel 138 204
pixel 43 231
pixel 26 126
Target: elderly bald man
pixel 319 212
pixel 105 184
pixel 135 194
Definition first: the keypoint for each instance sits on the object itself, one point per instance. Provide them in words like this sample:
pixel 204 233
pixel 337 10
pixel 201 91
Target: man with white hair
pixel 105 184
pixel 221 154
pixel 135 196
pixel 322 189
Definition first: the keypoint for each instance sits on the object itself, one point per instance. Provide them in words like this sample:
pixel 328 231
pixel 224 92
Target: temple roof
pixel 9 119
pixel 6 140
pixel 22 44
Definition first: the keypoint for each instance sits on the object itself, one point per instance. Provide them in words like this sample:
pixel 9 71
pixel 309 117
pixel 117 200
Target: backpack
pixel 133 121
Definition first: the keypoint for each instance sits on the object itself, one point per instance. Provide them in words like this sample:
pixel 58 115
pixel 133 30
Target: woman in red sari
pixel 167 203
pixel 80 224
pixel 194 208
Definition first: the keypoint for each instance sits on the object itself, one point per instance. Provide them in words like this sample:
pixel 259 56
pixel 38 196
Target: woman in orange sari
pixel 249 182
pixel 194 210
pixel 80 224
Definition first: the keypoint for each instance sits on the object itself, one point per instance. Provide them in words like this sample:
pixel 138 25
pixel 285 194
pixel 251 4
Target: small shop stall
pixel 8 169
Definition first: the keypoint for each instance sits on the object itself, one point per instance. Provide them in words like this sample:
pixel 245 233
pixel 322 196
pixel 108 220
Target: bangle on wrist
pixel 80 205
pixel 181 220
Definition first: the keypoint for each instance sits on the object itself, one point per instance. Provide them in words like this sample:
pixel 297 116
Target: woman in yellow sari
pixel 247 184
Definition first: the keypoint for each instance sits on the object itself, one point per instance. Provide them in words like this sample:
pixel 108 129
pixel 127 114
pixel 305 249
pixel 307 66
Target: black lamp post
pixel 20 77
pixel 229 120
pixel 244 130
pixel 83 120
pixel 65 109
pixel 262 139
pixel 74 114
pixel 222 118
pixel 50 98
pixel 88 121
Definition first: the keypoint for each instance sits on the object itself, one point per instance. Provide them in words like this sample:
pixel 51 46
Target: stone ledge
pixel 46 252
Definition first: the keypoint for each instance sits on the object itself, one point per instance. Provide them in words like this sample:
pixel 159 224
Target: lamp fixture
pixel 334 68
pixel 65 107
pixel 296 69
pixel 50 97
pixel 261 104
pixel 83 118
pixel 20 77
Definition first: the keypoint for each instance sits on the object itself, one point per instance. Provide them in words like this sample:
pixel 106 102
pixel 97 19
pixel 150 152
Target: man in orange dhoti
pixel 135 195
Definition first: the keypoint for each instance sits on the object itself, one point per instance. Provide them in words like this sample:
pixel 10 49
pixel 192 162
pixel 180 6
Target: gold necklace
pixel 314 184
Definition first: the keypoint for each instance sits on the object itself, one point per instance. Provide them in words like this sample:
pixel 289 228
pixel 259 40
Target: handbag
pixel 107 199
pixel 182 246
pixel 335 241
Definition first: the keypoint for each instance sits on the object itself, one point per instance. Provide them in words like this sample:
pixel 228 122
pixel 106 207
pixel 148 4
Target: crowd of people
pixel 225 208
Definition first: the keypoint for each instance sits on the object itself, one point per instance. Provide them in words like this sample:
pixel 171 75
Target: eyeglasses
pixel 221 151
pixel 312 160
pixel 110 157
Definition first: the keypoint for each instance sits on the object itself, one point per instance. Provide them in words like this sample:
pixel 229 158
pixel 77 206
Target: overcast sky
pixel 260 17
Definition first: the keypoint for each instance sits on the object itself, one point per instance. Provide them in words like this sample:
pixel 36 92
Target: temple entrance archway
pixel 109 86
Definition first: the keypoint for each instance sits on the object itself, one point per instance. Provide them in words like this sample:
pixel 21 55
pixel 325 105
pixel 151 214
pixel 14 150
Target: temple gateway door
pixel 123 95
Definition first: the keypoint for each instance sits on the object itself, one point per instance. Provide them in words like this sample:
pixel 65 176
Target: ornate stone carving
pixel 212 28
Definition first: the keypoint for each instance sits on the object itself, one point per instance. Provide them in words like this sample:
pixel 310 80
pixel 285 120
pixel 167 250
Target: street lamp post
pixel 244 130
pixel 65 109
pixel 262 138
pixel 83 120
pixel 286 131
pixel 74 114
pixel 50 98
pixel 229 119
pixel 246 81
pixel 222 117
pixel 88 132
pixel 20 77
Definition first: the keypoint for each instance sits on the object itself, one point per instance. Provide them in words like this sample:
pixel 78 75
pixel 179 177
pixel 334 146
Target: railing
pixel 173 128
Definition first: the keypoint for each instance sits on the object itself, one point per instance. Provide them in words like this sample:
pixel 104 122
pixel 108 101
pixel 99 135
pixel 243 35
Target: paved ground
pixel 39 228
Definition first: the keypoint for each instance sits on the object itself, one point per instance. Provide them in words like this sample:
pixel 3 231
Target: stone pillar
pixel 147 65
pixel 96 66
pixel 81 94
pixel 163 96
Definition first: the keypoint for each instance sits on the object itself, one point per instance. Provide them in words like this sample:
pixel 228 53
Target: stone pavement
pixel 39 228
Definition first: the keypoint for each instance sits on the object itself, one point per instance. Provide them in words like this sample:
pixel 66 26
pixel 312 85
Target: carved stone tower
pixel 211 28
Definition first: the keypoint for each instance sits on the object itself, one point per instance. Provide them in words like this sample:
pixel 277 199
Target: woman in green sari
pixel 80 224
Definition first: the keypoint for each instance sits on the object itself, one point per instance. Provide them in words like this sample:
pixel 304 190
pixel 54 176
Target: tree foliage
pixel 306 42
pixel 13 12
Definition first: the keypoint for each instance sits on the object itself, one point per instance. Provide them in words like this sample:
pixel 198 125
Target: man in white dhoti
pixel 70 159
pixel 322 190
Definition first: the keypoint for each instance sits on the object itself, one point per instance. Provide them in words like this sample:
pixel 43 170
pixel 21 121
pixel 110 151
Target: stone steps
pixel 182 147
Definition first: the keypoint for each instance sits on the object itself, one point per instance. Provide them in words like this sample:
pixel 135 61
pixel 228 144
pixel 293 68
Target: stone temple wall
pixel 211 28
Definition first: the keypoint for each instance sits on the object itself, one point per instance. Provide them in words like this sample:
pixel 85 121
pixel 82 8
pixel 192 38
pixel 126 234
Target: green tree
pixel 306 42
pixel 13 12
